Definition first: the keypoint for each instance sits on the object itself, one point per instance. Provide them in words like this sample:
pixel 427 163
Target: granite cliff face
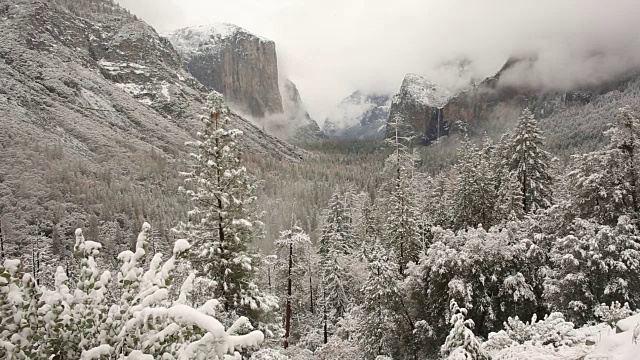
pixel 419 103
pixel 240 65
pixel 359 116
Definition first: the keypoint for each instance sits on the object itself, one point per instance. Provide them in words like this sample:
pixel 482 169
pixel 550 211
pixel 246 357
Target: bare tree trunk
pixel 311 288
pixel 287 321
pixel 324 316
pixel 2 255
pixel 269 276
pixel 221 286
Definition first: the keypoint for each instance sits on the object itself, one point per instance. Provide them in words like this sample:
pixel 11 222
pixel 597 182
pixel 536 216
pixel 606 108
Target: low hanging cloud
pixel 330 48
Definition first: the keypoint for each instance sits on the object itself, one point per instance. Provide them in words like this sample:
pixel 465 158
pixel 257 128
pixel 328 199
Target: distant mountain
pixel 243 66
pixel 359 116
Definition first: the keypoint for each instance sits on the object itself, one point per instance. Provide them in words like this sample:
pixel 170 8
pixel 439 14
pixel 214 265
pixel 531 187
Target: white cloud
pixel 329 48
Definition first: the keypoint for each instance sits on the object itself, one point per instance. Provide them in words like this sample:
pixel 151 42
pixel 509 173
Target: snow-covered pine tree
pixel 508 192
pixel 461 343
pixel 627 138
pixel 85 323
pixel 337 227
pixel 595 264
pixel 335 242
pixel 402 231
pixel 376 323
pixel 487 186
pixel 530 163
pixel 334 299
pixel 603 185
pixel 438 198
pixel 292 246
pixel 223 221
pixel 475 191
pixel 365 222
pixel 465 190
pixel 402 234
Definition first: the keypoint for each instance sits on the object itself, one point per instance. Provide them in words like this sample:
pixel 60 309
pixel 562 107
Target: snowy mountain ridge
pixel 206 38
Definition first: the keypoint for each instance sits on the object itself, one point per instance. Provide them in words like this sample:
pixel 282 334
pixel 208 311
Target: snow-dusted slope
pixel 103 89
pixel 359 116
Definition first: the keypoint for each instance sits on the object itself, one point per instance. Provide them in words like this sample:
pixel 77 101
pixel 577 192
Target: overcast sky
pixel 330 48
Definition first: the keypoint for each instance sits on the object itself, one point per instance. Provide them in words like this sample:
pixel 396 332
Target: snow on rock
pixel 425 92
pixel 528 352
pixel 419 103
pixel 113 68
pixel 616 347
pixel 96 352
pixel 12 266
pixel 627 324
pixel 181 246
pixel 621 343
pixel 268 354
pixel 165 91
pixel 206 37
pixel 137 355
pixel 240 65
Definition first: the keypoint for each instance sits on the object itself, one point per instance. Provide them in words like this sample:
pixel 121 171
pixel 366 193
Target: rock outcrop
pixel 419 104
pixel 240 65
pixel 298 123
pixel 359 116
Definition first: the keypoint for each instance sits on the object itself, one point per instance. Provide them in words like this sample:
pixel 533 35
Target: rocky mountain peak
pixel 419 102
pixel 421 90
pixel 209 38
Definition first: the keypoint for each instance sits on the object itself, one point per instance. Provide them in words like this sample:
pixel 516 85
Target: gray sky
pixel 330 48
